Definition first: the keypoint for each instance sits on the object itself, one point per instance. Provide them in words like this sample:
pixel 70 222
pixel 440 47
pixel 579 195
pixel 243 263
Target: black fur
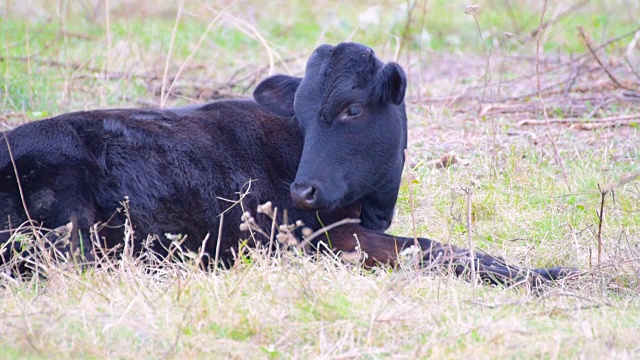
pixel 174 166
pixel 336 136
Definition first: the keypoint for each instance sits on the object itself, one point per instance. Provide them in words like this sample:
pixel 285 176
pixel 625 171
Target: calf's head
pixel 350 108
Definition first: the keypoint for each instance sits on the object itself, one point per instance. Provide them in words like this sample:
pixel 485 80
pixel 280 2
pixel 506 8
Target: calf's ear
pixel 276 93
pixel 390 84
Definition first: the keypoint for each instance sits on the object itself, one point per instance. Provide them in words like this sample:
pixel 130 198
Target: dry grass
pixel 300 307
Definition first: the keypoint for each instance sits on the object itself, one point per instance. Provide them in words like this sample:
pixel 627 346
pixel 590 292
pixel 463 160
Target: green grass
pixel 140 38
pixel 522 207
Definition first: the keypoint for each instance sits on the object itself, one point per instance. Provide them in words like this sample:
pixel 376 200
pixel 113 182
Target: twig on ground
pixel 272 233
pixel 28 48
pixel 544 109
pixel 589 45
pixel 551 69
pixel 65 35
pixel 599 106
pixel 512 17
pixel 549 87
pixel 75 67
pixel 421 54
pixel 622 118
pixel 536 92
pixel 469 191
pixel 319 232
pixel 503 66
pixel 107 17
pixel 627 179
pixel 248 29
pixel 10 115
pixel 411 5
pixel 77 35
pixel 218 241
pixel 550 22
pixel 5 97
pixel 634 42
pixel 472 10
pixel 633 69
pixel 184 64
pixel 594 126
pixel 575 73
pixel 412 206
pixel 163 98
pixel 201 253
pixel 603 194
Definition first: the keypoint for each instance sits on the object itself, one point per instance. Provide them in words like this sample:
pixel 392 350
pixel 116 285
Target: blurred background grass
pixel 55 53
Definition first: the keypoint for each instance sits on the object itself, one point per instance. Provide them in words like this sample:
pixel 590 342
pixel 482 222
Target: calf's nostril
pixel 304 196
pixel 309 194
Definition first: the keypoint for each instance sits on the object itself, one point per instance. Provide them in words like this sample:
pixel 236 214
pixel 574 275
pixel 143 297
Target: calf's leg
pixel 387 249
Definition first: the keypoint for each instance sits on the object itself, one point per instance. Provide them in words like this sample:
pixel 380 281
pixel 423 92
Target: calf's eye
pixel 352 111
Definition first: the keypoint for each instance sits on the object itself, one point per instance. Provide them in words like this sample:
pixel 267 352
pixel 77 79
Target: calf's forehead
pixel 340 51
pixel 344 65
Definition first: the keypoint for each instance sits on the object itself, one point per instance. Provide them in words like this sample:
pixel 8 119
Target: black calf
pixel 325 146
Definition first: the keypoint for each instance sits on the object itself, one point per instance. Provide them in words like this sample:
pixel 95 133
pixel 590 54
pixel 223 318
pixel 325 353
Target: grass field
pixel 536 190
